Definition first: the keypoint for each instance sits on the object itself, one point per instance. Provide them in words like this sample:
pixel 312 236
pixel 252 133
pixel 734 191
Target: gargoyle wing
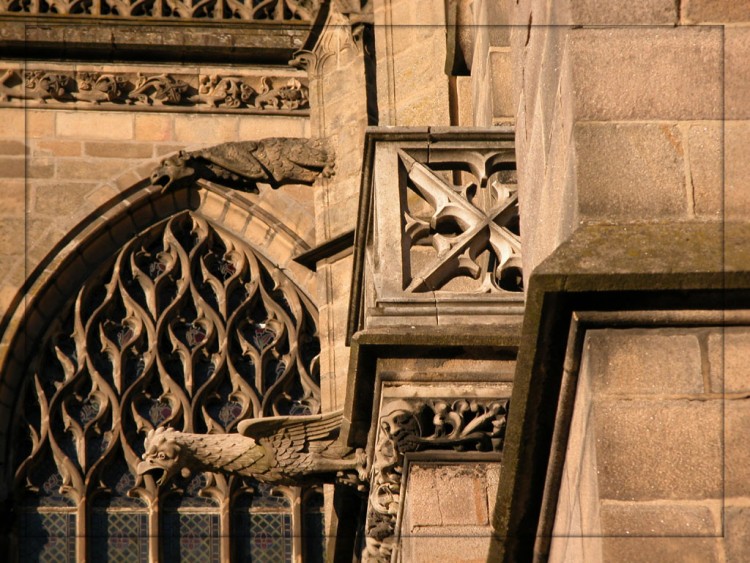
pixel 294 160
pixel 311 154
pixel 295 440
pixel 235 157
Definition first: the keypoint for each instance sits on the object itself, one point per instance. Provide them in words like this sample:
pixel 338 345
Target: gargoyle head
pixel 171 170
pixel 163 453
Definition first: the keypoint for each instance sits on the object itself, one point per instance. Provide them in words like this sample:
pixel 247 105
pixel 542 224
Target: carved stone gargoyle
pixel 242 165
pixel 291 450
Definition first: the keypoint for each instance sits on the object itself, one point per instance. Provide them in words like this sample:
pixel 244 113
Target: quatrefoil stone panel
pixel 444 238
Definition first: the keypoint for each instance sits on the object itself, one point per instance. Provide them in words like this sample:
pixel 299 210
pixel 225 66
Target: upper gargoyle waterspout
pixel 274 161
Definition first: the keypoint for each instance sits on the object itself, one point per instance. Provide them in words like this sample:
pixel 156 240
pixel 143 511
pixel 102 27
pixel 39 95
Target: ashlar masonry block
pixel 630 170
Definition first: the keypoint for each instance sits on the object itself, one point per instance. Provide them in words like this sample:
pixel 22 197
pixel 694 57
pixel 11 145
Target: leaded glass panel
pixel 190 537
pixel 118 537
pixel 47 537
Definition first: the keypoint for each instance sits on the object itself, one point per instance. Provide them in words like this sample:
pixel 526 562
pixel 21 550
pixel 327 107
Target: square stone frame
pixel 402 306
pixel 648 275
pixel 362 401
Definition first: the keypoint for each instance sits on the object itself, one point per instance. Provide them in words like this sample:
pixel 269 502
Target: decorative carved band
pixel 418 425
pixel 144 90
pixel 221 10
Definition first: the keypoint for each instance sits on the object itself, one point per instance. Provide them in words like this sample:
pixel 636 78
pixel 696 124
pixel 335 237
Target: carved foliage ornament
pixel 461 223
pixel 144 90
pixel 248 10
pixel 187 328
pixel 417 425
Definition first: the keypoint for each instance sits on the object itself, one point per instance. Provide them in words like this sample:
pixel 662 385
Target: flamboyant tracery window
pixel 190 328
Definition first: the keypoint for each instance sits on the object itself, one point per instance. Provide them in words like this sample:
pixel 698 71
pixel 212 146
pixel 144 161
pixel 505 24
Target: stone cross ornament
pixel 288 450
pixel 242 165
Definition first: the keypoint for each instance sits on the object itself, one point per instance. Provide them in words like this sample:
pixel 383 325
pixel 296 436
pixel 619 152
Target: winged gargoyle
pixel 275 161
pixel 292 450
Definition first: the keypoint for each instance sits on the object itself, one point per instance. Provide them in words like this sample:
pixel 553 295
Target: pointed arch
pixel 180 308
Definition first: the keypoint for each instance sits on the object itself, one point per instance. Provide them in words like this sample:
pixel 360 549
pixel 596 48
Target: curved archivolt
pixel 186 327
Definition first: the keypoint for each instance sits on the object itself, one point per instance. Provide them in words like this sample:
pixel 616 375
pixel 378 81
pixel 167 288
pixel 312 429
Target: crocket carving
pixel 274 161
pixel 291 450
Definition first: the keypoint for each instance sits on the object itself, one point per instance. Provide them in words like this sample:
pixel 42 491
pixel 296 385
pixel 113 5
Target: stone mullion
pixel 225 529
pixel 295 494
pixel 153 532
pixel 81 531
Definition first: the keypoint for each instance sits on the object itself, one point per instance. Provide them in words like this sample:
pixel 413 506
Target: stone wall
pixel 635 114
pixel 656 460
pixel 336 65
pixel 58 166
pixel 446 514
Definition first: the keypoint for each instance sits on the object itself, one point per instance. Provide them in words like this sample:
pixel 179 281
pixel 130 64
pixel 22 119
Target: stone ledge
pixel 674 268
pixel 89 39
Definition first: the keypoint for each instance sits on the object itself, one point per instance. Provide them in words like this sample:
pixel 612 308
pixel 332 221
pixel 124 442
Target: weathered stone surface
pixel 503 104
pixel 260 127
pixel 150 127
pixel 645 361
pixel 84 169
pixel 736 170
pixel 11 236
pixel 737 453
pixel 12 167
pixel 119 150
pixel 458 547
pixel 667 519
pixel 715 11
pixel 727 356
pixel 53 198
pixel 623 12
pixel 737 69
pixel 737 533
pixel 94 125
pixel 14 123
pixel 12 197
pixel 58 148
pixel 448 495
pixel 615 76
pixel 630 171
pixel 664 550
pixel 706 166
pixel 204 129
pixel 665 449
pixel 39 123
pixel 12 148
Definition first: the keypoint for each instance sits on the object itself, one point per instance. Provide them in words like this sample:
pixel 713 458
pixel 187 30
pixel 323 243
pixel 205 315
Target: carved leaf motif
pixel 263 10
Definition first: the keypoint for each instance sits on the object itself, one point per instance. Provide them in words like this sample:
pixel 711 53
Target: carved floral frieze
pixel 413 425
pixel 147 90
pixel 222 10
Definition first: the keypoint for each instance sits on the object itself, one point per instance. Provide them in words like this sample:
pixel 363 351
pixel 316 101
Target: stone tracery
pixel 186 327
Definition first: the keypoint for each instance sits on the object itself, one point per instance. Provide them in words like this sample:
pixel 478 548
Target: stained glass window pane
pixel 118 536
pixel 47 536
pixel 313 529
pixel 190 536
pixel 263 537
